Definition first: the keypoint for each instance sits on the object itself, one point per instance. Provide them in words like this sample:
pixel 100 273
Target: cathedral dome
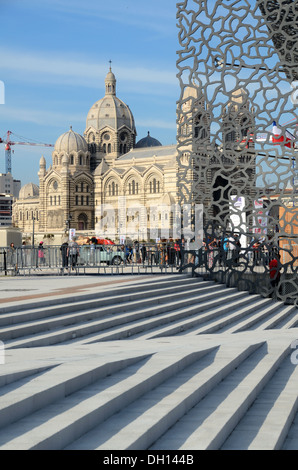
pixel 148 142
pixel 110 111
pixel 29 190
pixel 71 141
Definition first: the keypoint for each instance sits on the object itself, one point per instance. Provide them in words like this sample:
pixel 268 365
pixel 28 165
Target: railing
pixel 248 269
pixel 142 258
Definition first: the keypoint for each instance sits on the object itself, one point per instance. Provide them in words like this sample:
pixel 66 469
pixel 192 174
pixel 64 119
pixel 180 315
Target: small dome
pixel 110 111
pixel 29 190
pixel 71 141
pixel 148 142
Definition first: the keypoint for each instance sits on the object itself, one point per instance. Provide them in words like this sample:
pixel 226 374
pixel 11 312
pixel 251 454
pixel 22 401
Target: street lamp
pixel 67 223
pixel 33 219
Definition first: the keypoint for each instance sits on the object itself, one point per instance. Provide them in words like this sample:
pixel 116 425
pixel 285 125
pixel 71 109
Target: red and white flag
pixel 282 137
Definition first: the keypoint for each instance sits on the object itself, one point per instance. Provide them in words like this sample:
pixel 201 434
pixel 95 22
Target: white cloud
pixel 41 116
pixel 154 15
pixel 55 69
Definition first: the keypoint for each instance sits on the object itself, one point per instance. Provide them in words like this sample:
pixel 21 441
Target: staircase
pixel 172 363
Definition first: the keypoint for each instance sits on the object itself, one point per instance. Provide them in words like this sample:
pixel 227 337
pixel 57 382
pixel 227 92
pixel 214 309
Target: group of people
pixel 222 249
pixel 165 252
pixel 258 253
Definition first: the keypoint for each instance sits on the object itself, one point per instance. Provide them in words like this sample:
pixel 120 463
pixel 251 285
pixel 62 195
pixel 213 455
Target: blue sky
pixel 54 58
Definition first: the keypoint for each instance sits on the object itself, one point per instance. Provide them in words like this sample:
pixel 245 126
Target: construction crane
pixel 8 143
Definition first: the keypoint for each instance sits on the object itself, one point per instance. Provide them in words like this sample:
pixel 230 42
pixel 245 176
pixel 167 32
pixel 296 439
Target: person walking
pixel 274 275
pixel 64 253
pixel 41 254
pixel 73 253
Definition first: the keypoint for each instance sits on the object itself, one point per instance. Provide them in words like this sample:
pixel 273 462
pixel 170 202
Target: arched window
pixel 154 186
pixel 71 160
pixel 109 148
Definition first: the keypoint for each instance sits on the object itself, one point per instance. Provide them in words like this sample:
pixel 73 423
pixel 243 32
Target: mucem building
pixel 237 140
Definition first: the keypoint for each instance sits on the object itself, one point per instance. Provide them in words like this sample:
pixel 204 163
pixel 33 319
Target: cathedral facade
pixel 108 183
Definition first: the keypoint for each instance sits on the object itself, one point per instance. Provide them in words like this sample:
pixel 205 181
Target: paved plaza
pixel 145 362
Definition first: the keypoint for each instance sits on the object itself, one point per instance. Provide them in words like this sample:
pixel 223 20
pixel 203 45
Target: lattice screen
pixel 237 117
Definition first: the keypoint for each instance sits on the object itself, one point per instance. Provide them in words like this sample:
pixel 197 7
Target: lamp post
pixel 33 219
pixel 67 223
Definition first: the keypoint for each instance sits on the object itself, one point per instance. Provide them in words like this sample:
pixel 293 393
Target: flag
pixel 280 137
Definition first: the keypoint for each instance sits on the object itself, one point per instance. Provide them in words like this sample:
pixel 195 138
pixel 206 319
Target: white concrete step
pixel 134 321
pixel 267 423
pixel 284 314
pixel 209 424
pixel 19 398
pixel 103 308
pixel 106 298
pixel 138 426
pixel 234 317
pixel 77 412
pixel 238 307
pixel 259 316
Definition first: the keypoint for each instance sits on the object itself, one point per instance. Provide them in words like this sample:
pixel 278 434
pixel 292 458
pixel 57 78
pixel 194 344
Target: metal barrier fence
pixel 141 258
pixel 249 269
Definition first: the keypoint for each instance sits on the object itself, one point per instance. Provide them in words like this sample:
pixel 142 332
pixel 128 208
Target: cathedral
pixel 105 181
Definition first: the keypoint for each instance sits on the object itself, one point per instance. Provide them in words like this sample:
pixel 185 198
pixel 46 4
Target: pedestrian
pixel 41 254
pixel 210 247
pixel 143 253
pixel 12 256
pixel 274 274
pixel 92 244
pixel 237 249
pixel 64 250
pixel 73 253
pixel 225 249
